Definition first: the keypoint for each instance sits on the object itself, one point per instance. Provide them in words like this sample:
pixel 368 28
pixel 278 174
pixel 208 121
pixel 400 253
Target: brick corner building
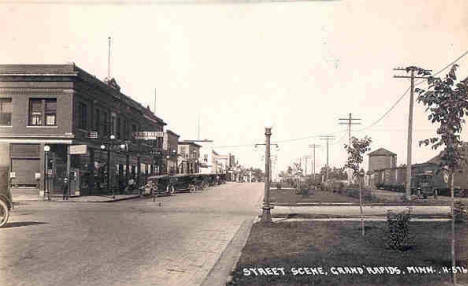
pixel 47 109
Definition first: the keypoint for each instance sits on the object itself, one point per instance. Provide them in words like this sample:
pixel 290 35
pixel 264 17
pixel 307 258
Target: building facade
pixel 381 159
pixel 170 149
pixel 208 157
pixel 58 121
pixel 189 154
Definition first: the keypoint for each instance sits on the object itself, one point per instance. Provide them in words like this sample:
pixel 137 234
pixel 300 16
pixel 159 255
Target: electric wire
pixel 408 89
pixel 362 129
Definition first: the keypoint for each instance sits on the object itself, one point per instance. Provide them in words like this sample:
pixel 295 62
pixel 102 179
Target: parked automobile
pixel 6 203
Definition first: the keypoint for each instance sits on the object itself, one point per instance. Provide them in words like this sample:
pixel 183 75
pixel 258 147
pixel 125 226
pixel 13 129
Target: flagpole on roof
pixel 109 57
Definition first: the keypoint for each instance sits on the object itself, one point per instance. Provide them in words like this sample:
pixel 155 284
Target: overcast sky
pixel 301 65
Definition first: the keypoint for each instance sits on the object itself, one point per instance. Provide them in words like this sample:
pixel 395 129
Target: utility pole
pixel 306 157
pixel 154 106
pixel 198 127
pixel 109 58
pixel 313 166
pixel 305 165
pixel 412 76
pixel 349 121
pixel 327 138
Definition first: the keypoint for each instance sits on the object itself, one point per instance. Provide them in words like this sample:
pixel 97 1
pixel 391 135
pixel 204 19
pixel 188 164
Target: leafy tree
pixel 356 152
pixel 334 173
pixel 447 103
pixel 257 174
pixel 297 169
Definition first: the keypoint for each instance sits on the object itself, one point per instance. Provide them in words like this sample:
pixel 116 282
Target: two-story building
pixel 189 154
pixel 170 150
pixel 90 132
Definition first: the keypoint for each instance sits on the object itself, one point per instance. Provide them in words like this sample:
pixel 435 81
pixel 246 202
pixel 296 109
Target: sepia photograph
pixel 233 142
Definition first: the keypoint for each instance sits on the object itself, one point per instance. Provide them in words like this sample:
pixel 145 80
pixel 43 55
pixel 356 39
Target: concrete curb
pixel 71 200
pixel 389 204
pixel 116 200
pixel 283 220
pixel 220 274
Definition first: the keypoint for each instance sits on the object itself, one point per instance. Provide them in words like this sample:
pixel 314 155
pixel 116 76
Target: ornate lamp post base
pixel 266 214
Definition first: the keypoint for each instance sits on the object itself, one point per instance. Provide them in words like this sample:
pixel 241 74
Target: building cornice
pixel 39 74
pixel 20 90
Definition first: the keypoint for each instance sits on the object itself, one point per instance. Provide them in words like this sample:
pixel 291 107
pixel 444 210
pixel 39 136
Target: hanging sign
pixel 78 149
pixel 148 135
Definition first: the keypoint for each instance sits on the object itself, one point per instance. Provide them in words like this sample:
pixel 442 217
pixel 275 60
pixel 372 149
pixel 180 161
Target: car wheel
pixel 4 213
pixel 170 190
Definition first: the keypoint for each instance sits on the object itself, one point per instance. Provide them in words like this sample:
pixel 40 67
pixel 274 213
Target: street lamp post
pixel 46 171
pixel 266 215
pixel 106 147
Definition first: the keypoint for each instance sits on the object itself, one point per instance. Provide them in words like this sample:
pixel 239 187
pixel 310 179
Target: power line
pixel 362 129
pixel 408 89
pixel 412 76
pixel 281 141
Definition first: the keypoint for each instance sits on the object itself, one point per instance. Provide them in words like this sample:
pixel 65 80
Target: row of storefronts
pixel 61 128
pixel 66 130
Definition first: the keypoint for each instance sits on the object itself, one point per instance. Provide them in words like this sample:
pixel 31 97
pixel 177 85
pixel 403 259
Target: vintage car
pixel 6 203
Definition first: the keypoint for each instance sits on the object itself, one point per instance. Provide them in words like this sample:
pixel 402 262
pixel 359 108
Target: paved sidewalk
pixel 32 194
pixel 82 199
pixel 344 210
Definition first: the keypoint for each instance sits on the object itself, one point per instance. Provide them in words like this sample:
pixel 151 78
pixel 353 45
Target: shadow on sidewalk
pixel 22 223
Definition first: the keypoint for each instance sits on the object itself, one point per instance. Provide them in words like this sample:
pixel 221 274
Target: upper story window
pixel 51 112
pixel 125 129
pixel 113 124
pixel 118 132
pixel 133 129
pixel 105 124
pixel 82 116
pixel 42 111
pixel 5 111
pixel 97 121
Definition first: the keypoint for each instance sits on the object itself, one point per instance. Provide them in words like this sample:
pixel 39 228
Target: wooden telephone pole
pixel 313 164
pixel 412 76
pixel 327 138
pixel 349 121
